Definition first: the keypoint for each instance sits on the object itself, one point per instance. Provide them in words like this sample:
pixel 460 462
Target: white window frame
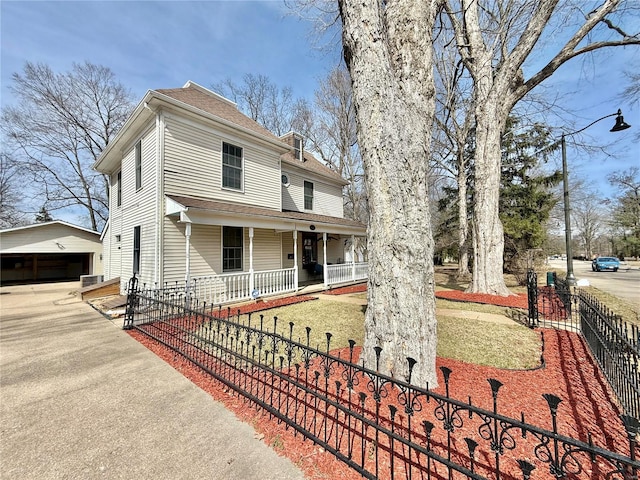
pixel 304 194
pixel 138 164
pixel 224 248
pixel 241 168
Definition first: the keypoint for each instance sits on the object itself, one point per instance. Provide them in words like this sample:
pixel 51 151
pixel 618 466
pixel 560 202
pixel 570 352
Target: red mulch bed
pixel 588 405
pixel 348 290
pixel 260 305
pixel 516 301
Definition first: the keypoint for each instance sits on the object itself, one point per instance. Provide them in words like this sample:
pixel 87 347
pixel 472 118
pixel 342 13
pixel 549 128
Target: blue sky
pixel 163 44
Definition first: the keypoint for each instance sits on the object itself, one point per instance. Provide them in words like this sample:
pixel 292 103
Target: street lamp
pixel 620 125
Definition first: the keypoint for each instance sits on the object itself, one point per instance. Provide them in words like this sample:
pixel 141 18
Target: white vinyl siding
pixel 327 198
pixel 206 250
pixel 112 249
pixel 287 248
pixel 193 166
pixel 138 209
pixel 267 250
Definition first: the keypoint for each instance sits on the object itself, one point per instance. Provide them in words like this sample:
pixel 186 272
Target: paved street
pixel 80 399
pixel 625 283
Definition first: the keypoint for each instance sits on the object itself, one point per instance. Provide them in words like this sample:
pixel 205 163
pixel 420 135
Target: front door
pixel 309 252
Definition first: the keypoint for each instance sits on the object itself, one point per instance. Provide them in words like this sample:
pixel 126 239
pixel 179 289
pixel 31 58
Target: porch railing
pixel 235 287
pixel 272 282
pixel 346 272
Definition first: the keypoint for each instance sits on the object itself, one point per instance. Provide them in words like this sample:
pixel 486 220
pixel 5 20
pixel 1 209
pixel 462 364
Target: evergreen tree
pixel 43 215
pixel 526 197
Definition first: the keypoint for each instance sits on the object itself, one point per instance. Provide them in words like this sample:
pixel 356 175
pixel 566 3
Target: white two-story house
pixel 202 196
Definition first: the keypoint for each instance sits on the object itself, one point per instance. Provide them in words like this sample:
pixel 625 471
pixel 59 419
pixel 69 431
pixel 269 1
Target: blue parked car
pixel 605 263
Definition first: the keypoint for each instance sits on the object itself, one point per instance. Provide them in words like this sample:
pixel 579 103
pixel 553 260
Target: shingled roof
pixel 224 207
pixel 210 102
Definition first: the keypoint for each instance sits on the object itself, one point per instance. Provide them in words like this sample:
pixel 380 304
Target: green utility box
pixel 551 279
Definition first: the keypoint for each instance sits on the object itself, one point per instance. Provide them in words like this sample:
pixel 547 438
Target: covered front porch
pixel 272 252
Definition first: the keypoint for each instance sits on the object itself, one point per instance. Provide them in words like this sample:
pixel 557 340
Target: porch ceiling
pixel 210 212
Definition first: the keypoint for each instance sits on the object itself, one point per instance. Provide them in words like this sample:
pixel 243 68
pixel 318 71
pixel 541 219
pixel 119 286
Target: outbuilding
pixel 50 251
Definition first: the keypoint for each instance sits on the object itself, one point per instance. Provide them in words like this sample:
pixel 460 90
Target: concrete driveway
pixel 80 399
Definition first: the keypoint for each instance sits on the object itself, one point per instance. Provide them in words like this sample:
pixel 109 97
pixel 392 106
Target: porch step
pixel 102 289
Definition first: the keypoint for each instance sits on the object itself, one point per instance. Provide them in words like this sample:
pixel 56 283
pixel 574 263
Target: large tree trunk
pixel 488 234
pixel 463 222
pixel 388 51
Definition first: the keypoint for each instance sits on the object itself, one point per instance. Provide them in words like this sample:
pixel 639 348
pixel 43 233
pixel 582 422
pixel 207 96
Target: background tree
pixel 332 134
pixel 626 210
pixel 59 127
pixel 451 141
pixel 259 98
pixel 589 216
pixel 388 51
pixel 494 40
pixel 11 193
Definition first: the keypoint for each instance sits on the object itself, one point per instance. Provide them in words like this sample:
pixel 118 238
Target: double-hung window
pixel 231 249
pixel 139 165
pixel 136 249
pixel 231 166
pixel 119 190
pixel 308 195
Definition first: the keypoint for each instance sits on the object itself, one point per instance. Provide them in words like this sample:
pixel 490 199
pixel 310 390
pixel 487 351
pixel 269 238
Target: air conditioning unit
pixel 87 280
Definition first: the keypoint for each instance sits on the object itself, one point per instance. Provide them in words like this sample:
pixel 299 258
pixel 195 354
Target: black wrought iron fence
pixel 380 426
pixel 614 343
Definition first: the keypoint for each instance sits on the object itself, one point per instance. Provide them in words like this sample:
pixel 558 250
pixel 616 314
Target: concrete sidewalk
pixel 80 399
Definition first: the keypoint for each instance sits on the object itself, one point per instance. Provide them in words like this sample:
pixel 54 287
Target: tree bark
pixel 388 50
pixel 488 234
pixel 463 222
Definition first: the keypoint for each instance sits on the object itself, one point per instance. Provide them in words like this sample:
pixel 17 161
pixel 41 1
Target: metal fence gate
pixel 614 343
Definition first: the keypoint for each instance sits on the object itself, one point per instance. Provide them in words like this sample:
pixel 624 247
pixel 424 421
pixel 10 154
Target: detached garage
pixel 51 251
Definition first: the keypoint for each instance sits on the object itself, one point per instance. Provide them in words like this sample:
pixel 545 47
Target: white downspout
pixel 187 236
pixel 324 259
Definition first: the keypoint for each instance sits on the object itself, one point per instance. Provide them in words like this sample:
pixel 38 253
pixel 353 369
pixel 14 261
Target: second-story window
pixel 308 195
pixel 119 189
pixel 231 166
pixel 139 165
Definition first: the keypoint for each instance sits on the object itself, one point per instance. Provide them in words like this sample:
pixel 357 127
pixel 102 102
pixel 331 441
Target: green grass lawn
pixel 480 342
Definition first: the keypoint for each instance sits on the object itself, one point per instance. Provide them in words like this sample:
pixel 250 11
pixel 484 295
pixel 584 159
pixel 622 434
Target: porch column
pixel 295 258
pixel 187 254
pixel 353 258
pixel 324 255
pixel 251 274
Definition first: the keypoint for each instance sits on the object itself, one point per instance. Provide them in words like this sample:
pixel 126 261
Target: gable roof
pixel 45 224
pixel 200 100
pixel 210 102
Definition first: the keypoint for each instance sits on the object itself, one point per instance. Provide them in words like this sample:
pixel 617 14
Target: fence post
pixel 132 291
